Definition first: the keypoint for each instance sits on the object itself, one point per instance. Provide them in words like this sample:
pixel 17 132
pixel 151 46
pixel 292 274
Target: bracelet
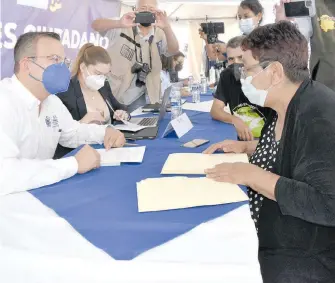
pixel 129 117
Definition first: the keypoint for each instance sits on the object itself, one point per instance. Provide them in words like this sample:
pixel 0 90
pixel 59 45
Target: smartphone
pixel 195 143
pixel 145 18
pixel 296 9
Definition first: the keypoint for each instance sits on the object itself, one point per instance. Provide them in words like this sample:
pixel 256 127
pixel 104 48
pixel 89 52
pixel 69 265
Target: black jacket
pixel 297 233
pixel 74 101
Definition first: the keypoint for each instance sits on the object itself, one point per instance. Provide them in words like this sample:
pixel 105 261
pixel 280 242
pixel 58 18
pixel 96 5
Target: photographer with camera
pixel 137 41
pixel 213 52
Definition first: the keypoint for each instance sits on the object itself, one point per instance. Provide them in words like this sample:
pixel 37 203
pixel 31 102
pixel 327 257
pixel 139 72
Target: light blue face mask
pixel 56 77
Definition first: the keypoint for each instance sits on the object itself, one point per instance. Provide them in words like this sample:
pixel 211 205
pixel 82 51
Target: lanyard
pixel 138 45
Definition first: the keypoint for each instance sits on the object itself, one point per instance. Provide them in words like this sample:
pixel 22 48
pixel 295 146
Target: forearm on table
pixel 219 114
pixel 250 146
pixel 171 40
pixel 262 181
pixel 83 134
pixel 34 173
pixel 103 25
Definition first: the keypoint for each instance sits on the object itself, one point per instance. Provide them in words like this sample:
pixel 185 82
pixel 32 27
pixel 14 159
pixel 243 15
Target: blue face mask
pixel 56 78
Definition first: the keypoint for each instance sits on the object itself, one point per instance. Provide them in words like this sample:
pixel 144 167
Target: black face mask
pixel 237 70
pixel 178 67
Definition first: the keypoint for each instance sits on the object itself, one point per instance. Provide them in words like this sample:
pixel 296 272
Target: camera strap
pixel 140 47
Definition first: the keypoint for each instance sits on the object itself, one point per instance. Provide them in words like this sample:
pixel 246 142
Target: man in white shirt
pixel 33 121
pixel 134 44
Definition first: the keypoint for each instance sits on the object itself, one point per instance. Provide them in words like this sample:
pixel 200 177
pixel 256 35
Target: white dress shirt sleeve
pixel 74 133
pixel 19 174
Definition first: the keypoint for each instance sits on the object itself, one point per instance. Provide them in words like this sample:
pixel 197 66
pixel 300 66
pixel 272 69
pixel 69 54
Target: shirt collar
pixel 25 95
pixel 151 33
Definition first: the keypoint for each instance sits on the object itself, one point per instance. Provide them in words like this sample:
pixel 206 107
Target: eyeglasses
pixel 55 58
pixel 244 71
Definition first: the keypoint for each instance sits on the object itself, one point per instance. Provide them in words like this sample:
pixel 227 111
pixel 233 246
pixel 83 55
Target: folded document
pixel 197 163
pixel 116 156
pixel 181 192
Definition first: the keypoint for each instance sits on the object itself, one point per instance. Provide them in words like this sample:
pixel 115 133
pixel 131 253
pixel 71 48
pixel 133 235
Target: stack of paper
pixel 201 106
pixel 115 156
pixel 197 163
pixel 129 127
pixel 182 192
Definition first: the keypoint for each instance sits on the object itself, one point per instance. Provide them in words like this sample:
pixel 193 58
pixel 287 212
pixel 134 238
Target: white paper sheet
pixel 137 112
pixel 119 155
pixel 197 163
pixel 201 106
pixel 158 194
pixel 129 127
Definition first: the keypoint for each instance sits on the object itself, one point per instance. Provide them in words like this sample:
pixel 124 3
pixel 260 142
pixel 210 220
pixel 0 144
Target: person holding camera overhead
pixel 137 41
pixel 89 91
pixel 250 15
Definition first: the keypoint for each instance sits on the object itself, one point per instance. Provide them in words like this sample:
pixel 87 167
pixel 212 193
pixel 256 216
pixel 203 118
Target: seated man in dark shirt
pixel 247 118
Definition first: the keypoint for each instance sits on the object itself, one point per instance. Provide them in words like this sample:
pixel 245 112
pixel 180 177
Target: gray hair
pixel 235 41
pixel 26 45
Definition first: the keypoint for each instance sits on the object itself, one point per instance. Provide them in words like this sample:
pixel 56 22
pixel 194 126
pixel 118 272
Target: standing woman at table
pixel 291 175
pixel 171 66
pixel 250 15
pixel 89 91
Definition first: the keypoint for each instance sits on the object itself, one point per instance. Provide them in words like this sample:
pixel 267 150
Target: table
pixel 102 205
pixel 207 244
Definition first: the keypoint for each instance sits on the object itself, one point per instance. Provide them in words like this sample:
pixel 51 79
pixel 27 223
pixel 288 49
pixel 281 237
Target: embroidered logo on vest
pixel 327 23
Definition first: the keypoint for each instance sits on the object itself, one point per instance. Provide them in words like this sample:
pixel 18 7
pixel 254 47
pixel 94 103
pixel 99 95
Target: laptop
pixel 155 108
pixel 152 123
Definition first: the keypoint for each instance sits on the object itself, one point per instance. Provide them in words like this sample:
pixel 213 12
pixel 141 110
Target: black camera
pixel 142 70
pixel 212 30
pixel 145 18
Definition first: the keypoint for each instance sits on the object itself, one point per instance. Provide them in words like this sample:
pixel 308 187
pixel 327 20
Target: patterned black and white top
pixel 264 157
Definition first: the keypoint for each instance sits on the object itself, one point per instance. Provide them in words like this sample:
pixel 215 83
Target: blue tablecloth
pixel 102 205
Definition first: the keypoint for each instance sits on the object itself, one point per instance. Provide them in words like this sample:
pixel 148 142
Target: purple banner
pixel 70 18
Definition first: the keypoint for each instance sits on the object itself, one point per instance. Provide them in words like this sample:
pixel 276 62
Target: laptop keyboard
pixel 148 122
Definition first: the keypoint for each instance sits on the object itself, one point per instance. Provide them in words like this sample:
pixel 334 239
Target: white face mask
pixel 247 25
pixel 95 82
pixel 255 96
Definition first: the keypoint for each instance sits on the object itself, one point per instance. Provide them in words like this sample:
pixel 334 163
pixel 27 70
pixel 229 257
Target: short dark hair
pixel 281 42
pixel 167 61
pixel 254 5
pixel 26 45
pixel 235 41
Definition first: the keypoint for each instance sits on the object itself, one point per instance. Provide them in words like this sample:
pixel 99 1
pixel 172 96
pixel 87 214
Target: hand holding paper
pixel 235 173
pixel 116 156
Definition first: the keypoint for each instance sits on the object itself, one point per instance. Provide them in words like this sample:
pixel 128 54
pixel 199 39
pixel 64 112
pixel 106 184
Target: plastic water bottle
pixel 196 93
pixel 212 75
pixel 203 84
pixel 190 82
pixel 176 108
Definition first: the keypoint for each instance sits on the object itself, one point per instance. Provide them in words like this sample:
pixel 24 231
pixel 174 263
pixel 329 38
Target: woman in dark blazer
pixel 89 97
pixel 291 175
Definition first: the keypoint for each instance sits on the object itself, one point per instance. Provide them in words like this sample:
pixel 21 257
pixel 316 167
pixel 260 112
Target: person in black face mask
pixel 247 118
pixel 171 66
